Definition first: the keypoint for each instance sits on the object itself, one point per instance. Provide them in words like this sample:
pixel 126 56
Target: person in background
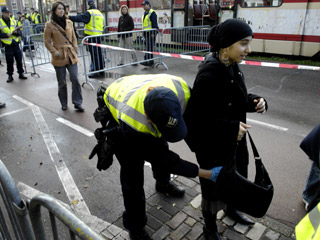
pixel 149 21
pixel 10 38
pixel 60 40
pixel 37 21
pixel 219 88
pixel 126 24
pixel 26 14
pixel 74 28
pixel 94 22
pixel 311 146
pixel 19 15
pixel 26 32
pixel 146 111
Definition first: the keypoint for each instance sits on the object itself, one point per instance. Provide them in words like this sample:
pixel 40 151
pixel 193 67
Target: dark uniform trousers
pixel 96 54
pixel 13 52
pixel 131 153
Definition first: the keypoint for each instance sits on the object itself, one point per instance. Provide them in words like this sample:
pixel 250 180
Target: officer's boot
pixel 10 79
pixel 210 230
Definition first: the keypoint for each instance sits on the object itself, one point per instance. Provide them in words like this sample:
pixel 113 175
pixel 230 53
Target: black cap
pixel 19 13
pixel 163 108
pixel 145 2
pixel 227 33
pixel 5 9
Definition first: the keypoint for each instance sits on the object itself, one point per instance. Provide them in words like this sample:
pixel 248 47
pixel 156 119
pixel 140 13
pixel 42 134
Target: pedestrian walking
pixel 60 40
pixel 10 38
pixel 219 87
pixel 126 24
pixel 147 112
pixel 311 146
pixel 149 21
pixel 94 22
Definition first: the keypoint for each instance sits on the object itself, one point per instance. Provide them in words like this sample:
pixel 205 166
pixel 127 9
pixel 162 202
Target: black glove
pixel 104 153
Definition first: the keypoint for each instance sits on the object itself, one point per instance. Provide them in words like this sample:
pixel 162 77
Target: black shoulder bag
pixel 253 198
pixel 64 35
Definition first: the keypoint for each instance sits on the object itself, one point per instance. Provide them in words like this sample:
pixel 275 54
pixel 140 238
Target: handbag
pixel 252 198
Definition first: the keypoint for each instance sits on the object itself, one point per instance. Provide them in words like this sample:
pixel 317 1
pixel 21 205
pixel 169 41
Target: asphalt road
pixel 43 153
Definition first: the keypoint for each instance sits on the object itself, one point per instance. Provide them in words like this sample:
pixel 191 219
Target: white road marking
pixel 65 176
pixel 22 100
pixel 75 127
pixel 13 112
pixel 268 125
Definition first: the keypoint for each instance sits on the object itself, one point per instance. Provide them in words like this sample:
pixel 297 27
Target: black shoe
pixel 142 235
pixel 170 189
pixel 147 64
pixel 10 79
pixel 64 108
pixel 2 105
pixel 210 235
pixel 95 75
pixel 79 108
pixel 23 77
pixel 237 217
pixel 119 64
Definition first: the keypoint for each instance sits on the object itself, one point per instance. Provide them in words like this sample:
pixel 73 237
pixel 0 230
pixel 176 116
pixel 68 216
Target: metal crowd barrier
pixel 103 59
pixel 28 225
pixel 16 210
pixel 57 210
pixel 184 40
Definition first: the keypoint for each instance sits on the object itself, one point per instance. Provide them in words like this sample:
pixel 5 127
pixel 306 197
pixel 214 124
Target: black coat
pixel 125 24
pixel 219 101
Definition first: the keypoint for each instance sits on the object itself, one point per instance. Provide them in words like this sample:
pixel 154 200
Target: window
pixel 160 4
pixel 113 5
pixel 261 3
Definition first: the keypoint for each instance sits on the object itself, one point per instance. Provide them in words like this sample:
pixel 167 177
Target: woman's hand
pixel 261 105
pixel 242 130
pixel 57 54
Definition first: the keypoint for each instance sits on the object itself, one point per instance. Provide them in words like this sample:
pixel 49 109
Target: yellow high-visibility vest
pixel 146 22
pixel 95 26
pixel 36 19
pixel 33 16
pixel 125 98
pixel 6 29
pixel 309 227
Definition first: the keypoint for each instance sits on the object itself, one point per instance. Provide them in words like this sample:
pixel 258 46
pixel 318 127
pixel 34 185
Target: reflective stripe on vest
pixel 308 228
pixel 147 24
pixel 125 98
pixel 6 29
pixel 95 26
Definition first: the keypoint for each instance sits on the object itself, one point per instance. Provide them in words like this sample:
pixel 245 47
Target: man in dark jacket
pixel 311 146
pixel 125 24
pixel 9 36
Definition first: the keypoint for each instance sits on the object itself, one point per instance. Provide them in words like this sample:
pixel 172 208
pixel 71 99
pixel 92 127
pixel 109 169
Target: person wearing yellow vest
pixel 19 23
pixel 309 227
pixel 32 15
pixel 149 21
pixel 94 23
pixel 37 21
pixel 26 14
pixel 10 37
pixel 141 114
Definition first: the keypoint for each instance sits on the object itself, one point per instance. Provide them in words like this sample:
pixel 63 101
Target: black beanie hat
pixel 227 33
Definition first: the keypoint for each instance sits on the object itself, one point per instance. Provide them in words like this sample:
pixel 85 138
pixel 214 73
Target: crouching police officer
pixel 140 114
pixel 10 37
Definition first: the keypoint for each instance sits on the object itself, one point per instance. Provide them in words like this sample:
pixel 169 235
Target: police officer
pixel 94 22
pixel 149 21
pixel 26 14
pixel 19 23
pixel 37 21
pixel 147 112
pixel 309 227
pixel 10 37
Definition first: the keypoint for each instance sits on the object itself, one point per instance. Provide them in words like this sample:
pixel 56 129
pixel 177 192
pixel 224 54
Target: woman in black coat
pixel 219 96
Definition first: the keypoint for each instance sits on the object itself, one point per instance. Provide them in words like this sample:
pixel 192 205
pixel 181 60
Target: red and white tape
pixel 197 58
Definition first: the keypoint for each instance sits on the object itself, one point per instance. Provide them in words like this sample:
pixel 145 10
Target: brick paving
pixel 181 219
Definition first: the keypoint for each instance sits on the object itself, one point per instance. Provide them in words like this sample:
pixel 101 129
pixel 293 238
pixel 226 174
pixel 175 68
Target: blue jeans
pixel 312 187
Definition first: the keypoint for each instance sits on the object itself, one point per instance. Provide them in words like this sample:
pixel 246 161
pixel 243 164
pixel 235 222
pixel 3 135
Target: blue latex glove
pixel 215 173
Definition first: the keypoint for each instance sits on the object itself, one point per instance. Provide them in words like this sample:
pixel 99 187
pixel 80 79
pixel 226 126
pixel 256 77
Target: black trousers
pixel 96 54
pixel 150 43
pixel 13 52
pixel 131 154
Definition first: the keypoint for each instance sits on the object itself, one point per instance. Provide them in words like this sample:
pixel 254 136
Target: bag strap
pixel 254 149
pixel 64 34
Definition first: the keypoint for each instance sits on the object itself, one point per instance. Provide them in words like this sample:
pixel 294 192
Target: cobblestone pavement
pixel 181 219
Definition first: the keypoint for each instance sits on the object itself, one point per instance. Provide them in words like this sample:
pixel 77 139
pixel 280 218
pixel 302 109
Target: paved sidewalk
pixel 181 219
